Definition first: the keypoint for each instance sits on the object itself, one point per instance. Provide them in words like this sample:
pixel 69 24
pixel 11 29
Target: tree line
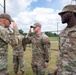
pixel 50 34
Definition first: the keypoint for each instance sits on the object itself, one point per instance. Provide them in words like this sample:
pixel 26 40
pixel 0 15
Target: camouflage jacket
pixel 40 47
pixel 18 49
pixel 67 51
pixel 5 39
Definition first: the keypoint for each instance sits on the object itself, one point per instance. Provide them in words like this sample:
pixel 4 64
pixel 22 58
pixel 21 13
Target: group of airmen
pixel 41 45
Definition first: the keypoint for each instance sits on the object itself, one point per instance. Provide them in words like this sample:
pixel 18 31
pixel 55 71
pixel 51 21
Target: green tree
pixel 50 34
pixel 22 32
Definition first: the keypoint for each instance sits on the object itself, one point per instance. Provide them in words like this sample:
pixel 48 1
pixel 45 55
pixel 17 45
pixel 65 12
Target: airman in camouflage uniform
pixel 18 54
pixel 66 64
pixel 40 49
pixel 5 39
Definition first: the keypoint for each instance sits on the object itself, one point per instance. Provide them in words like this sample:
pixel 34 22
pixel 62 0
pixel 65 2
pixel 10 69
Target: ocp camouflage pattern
pixel 5 39
pixel 66 63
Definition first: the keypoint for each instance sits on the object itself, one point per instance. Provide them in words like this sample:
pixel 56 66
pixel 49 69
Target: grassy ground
pixel 27 57
pixel 54 38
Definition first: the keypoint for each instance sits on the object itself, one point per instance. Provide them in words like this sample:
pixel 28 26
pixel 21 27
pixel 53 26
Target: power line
pixel 1 5
pixel 4 7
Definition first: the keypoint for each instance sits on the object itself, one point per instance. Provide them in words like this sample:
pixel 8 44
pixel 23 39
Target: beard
pixel 65 20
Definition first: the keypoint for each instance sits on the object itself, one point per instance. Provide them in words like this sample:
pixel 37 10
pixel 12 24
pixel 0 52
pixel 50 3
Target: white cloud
pixel 48 17
pixel 16 6
pixel 19 4
pixel 49 0
pixel 66 2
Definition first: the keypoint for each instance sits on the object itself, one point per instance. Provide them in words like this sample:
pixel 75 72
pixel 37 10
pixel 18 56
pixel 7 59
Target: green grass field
pixel 27 57
pixel 54 38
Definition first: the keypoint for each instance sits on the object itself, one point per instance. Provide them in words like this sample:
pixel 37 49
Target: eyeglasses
pixel 34 27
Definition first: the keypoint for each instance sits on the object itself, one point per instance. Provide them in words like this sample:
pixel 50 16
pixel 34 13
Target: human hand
pixel 29 31
pixel 55 72
pixel 46 64
pixel 14 26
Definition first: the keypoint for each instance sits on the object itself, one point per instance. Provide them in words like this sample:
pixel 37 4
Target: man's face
pixel 7 23
pixel 36 29
pixel 65 17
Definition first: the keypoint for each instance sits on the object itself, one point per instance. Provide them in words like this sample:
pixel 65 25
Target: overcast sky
pixel 27 12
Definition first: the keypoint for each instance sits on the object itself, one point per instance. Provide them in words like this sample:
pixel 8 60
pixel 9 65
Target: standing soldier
pixel 5 39
pixel 40 49
pixel 66 64
pixel 18 53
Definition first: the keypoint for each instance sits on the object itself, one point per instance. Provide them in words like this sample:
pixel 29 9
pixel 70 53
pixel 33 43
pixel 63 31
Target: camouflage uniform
pixel 18 54
pixel 66 63
pixel 67 52
pixel 40 52
pixel 5 38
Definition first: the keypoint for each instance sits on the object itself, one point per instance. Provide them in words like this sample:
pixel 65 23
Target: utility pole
pixel 4 6
pixel 57 28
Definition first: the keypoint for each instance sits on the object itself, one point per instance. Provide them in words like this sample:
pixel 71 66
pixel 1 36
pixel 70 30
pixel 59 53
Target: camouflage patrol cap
pixel 6 16
pixel 36 25
pixel 70 8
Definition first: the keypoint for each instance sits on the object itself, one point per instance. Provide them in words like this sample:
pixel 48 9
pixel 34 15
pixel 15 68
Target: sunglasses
pixel 34 27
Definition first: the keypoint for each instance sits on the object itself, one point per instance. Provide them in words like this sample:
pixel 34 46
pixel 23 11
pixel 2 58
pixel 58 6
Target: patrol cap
pixel 36 25
pixel 70 8
pixel 6 16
